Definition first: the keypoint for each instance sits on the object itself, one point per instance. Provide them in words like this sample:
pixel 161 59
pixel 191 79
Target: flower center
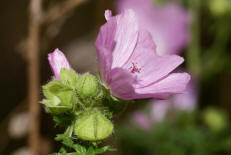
pixel 134 68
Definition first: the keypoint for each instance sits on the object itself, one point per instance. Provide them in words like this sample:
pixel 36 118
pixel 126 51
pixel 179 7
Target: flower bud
pixel 57 61
pixel 69 77
pixel 93 126
pixel 88 86
pixel 59 97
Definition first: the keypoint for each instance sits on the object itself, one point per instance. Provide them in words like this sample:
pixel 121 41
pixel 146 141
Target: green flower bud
pixel 93 126
pixel 88 86
pixel 215 119
pixel 69 77
pixel 59 97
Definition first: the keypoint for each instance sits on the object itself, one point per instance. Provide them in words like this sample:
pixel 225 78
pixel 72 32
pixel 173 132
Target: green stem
pixel 193 53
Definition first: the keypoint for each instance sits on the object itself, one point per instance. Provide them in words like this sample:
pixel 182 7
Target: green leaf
pixel 105 149
pixel 90 151
pixel 64 118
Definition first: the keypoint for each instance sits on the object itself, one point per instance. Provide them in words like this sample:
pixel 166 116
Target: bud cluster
pixel 80 99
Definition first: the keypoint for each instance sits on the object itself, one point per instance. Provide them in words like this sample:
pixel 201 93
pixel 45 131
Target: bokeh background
pixel 196 122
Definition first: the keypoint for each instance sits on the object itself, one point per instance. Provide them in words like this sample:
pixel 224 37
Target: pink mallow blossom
pixel 167 23
pixel 129 64
pixel 57 61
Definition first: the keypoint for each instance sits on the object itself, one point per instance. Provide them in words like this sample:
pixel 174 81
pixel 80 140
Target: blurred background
pixel 196 122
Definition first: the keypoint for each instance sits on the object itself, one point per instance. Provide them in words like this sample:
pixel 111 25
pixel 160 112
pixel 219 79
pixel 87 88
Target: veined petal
pixel 105 62
pixel 120 34
pixel 121 83
pixel 105 44
pixel 125 38
pixel 163 22
pixel 149 66
pixel 57 61
pixel 116 41
pixel 172 84
pixel 106 36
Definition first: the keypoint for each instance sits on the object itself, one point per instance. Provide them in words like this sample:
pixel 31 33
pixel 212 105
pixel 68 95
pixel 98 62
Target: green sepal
pixel 93 126
pixel 59 97
pixel 88 86
pixel 69 77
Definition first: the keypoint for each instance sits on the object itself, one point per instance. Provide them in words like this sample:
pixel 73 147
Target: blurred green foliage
pixel 188 134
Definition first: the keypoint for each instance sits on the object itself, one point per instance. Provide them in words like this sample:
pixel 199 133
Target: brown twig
pixel 31 45
pixel 33 73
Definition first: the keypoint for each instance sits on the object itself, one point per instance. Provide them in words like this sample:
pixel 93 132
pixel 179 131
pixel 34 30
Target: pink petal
pixel 151 67
pixel 125 38
pixel 108 14
pixel 105 61
pixel 172 84
pixel 112 37
pixel 57 61
pixel 121 83
pixel 168 23
pixel 106 36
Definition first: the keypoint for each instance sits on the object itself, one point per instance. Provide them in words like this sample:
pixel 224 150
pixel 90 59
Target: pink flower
pixel 168 23
pixel 57 61
pixel 129 64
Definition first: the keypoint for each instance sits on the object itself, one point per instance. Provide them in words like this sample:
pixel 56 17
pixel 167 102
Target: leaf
pixel 90 151
pixel 64 119
pixel 105 149
pixel 68 142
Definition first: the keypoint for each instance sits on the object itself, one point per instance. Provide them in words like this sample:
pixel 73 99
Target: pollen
pixel 134 68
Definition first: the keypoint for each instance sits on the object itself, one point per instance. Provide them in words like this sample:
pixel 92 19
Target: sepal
pixel 93 126
pixel 59 97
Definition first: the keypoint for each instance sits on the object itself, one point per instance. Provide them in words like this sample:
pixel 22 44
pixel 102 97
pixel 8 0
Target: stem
pixel 193 53
pixel 33 74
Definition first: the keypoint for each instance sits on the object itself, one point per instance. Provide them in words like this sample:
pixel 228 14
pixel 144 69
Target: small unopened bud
pixel 93 126
pixel 88 86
